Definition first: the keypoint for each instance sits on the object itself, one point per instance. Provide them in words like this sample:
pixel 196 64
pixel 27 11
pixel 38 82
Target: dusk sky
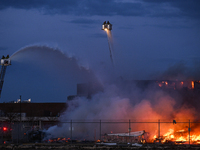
pixel 149 36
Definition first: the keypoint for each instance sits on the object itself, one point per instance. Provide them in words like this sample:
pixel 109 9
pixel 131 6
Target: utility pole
pixel 20 97
pixel 71 131
pixel 19 123
pixel 129 129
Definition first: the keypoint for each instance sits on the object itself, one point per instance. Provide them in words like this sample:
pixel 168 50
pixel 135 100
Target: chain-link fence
pixel 128 131
pixel 179 131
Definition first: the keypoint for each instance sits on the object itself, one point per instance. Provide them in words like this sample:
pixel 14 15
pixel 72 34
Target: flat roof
pixel 34 109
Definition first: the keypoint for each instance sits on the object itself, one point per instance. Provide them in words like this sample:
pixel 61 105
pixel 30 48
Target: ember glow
pixel 178 84
pixel 58 140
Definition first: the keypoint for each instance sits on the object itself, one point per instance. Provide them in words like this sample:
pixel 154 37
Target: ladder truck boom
pixel 5 61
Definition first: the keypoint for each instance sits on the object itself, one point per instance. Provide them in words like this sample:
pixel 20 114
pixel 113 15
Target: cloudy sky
pixel 149 36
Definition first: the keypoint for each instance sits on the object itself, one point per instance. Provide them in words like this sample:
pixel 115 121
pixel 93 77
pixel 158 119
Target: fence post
pixel 100 130
pixel 1 132
pixel 189 132
pixel 71 131
pixel 159 130
pixel 129 129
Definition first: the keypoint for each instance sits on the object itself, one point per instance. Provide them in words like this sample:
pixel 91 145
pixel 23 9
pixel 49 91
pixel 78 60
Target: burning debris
pixel 58 140
pixel 183 136
pixel 131 137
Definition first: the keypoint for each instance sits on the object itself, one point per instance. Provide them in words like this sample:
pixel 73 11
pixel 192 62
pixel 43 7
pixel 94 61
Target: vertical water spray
pixel 109 35
pixel 107 26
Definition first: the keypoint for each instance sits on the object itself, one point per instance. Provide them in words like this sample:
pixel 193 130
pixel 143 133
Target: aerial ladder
pixel 5 61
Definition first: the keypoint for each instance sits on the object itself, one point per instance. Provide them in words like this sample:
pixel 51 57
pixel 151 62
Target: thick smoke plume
pixel 124 101
pixel 181 71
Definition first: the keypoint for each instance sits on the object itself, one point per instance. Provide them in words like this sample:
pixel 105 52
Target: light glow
pixel 192 84
pixel 5 129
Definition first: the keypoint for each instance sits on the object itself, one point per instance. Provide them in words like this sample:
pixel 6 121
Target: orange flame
pixel 181 136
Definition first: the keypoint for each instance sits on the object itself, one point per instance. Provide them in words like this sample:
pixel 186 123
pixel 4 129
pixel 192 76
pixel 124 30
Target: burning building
pixel 163 108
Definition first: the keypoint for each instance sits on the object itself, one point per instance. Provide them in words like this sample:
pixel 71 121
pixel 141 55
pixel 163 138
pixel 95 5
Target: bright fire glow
pixel 192 84
pixel 180 136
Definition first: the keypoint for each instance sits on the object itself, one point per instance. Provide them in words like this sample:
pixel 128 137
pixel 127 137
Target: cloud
pixel 188 8
pixel 78 7
pixel 49 6
pixel 155 8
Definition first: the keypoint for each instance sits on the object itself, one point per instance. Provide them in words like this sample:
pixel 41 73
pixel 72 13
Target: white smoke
pixel 118 105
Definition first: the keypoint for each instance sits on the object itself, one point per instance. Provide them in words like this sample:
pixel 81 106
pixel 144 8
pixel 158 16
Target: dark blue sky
pixel 149 36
